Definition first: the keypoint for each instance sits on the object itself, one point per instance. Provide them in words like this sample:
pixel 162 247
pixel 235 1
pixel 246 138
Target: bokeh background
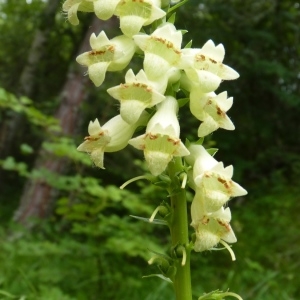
pixel 65 227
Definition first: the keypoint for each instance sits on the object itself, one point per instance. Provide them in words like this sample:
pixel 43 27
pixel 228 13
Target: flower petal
pixel 97 72
pixel 134 14
pixel 104 9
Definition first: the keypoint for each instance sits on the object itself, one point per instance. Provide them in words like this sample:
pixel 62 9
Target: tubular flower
pixel 135 14
pixel 162 50
pixel 137 94
pixel 103 9
pixel 211 110
pixel 111 137
pixel 210 228
pixel 72 6
pixel 206 67
pixel 161 141
pixel 106 55
pixel 212 179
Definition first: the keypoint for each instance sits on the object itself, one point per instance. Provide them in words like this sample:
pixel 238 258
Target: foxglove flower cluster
pixel 148 98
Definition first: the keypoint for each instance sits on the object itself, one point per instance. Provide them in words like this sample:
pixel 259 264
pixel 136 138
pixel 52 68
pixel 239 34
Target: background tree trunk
pixel 38 196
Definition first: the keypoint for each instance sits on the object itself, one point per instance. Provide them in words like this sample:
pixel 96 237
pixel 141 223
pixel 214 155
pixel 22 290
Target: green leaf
pixel 188 45
pixel 176 6
pixel 26 149
pixel 212 151
pixel 183 31
pixel 172 18
pixel 4 293
pixel 183 101
pixel 200 141
pixel 62 210
pixel 8 163
pixel 159 276
pixel 218 295
pixel 25 100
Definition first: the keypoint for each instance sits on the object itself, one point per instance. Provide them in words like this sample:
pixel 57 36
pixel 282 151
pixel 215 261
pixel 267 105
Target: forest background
pixel 65 230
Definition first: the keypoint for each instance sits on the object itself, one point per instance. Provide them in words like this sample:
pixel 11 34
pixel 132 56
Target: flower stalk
pixel 152 99
pixel 179 231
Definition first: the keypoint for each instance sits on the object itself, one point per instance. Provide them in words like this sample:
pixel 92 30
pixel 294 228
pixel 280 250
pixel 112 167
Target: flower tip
pixel 94 127
pixel 230 74
pixel 81 148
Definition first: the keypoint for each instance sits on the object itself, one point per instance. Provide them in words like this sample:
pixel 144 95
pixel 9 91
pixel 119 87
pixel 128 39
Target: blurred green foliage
pixel 90 248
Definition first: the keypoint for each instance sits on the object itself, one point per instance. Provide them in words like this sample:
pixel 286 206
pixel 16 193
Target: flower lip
pixel 137 94
pixel 135 14
pixel 105 9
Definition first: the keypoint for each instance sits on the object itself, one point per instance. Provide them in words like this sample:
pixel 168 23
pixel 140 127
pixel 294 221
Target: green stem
pixel 179 231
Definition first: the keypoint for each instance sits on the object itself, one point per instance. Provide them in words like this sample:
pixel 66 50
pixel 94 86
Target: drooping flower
pixel 106 55
pixel 210 228
pixel 103 9
pixel 72 6
pixel 211 110
pixel 135 14
pixel 162 50
pixel 111 137
pixel 161 141
pixel 212 179
pixel 137 94
pixel 206 68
